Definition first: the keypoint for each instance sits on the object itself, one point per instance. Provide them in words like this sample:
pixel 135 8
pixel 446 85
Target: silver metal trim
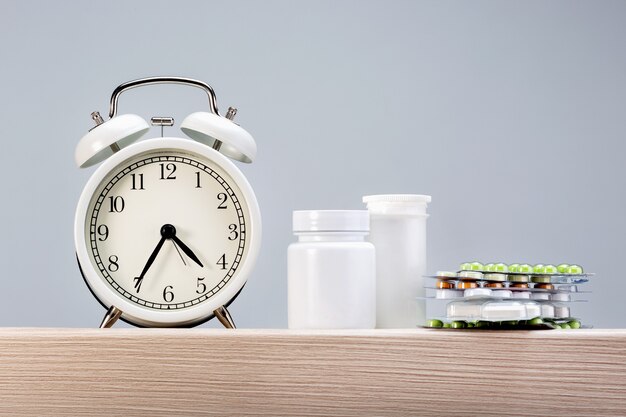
pixel 162 80
pixel 162 121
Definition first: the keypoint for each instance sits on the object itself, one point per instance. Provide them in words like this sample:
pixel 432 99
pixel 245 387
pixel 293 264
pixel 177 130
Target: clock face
pixel 166 229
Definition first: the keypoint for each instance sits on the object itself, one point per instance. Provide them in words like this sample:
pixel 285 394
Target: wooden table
pixel 153 372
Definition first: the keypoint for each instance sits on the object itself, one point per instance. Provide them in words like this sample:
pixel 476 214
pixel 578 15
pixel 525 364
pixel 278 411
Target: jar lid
pixel 331 221
pixel 398 204
pixel 397 198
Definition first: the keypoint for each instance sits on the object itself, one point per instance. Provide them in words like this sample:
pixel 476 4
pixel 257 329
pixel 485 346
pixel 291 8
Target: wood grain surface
pixel 188 372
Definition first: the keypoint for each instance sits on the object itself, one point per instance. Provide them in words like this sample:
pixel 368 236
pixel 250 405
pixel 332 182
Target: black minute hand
pixel 151 259
pixel 187 251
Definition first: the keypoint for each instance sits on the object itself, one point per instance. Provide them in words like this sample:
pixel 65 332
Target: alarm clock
pixel 168 229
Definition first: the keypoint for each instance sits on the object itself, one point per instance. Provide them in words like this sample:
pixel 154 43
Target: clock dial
pixel 167 229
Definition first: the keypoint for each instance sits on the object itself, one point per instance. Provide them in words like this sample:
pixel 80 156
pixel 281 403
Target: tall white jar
pixel 331 271
pixel 398 232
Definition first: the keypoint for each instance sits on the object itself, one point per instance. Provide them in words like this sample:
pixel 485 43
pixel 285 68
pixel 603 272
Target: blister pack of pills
pixel 500 296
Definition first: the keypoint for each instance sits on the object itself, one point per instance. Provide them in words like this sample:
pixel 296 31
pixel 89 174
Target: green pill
pixel 477 266
pixel 466 266
pixel 482 324
pixel 574 324
pixel 525 269
pixel 490 267
pixel 500 267
pixel 434 323
pixel 535 321
pixel 458 325
pixel 539 269
pixel 565 326
pixel 446 325
pixel 562 268
pixel 574 269
pixel 550 269
pixel 510 323
pixel 470 325
pixel 514 268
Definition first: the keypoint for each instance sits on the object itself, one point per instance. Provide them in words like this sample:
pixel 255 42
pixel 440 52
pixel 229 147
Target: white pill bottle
pixel 398 232
pixel 331 271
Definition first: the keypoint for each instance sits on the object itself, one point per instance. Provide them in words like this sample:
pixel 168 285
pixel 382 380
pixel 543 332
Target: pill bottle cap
pixel 406 204
pixel 331 221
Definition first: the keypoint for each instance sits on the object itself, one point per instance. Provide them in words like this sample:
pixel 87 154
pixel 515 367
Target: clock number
pixel 222 197
pixel 168 295
pixel 222 261
pixel 113 265
pixel 201 286
pixel 198 179
pixel 138 281
pixel 116 204
pixel 171 169
pixel 103 231
pixel 234 234
pixel 140 176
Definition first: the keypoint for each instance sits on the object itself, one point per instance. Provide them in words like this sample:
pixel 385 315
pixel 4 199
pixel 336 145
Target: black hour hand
pixel 187 251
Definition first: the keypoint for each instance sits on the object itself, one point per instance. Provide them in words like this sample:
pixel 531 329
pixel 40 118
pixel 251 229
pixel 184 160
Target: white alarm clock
pixel 167 230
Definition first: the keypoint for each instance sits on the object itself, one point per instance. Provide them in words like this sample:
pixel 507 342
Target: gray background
pixel 510 114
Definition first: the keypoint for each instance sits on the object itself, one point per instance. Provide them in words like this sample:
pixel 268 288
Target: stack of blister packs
pixel 500 296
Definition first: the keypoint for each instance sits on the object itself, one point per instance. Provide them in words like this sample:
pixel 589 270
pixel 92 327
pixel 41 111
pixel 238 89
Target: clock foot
pixel 110 317
pixel 224 317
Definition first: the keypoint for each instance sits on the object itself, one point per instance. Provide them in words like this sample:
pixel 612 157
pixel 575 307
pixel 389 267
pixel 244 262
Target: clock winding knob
pixel 231 113
pixel 95 116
